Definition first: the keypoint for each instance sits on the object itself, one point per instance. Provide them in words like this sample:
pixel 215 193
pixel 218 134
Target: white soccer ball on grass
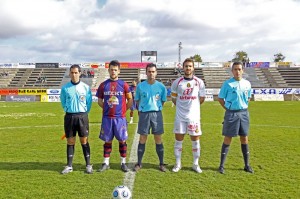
pixel 121 192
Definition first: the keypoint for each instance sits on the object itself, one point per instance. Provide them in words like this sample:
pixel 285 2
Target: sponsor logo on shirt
pixel 113 92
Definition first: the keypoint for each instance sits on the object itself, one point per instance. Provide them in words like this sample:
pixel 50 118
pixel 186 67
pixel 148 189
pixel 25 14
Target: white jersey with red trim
pixel 187 93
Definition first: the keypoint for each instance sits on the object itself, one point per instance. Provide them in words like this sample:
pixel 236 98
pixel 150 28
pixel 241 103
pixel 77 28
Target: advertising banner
pixel 258 65
pixel 26 65
pixel 97 65
pixel 53 91
pixel 32 91
pixel 283 64
pixel 268 97
pixel 9 91
pixel 65 65
pixel 296 64
pixel 20 98
pixel 166 65
pixel 46 65
pixel 6 65
pixel 130 64
pixel 274 91
pixel 53 98
pixel 211 64
pixel 94 65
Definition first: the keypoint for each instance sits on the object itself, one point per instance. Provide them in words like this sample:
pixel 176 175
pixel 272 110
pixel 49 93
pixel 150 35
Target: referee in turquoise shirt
pixel 234 97
pixel 150 97
pixel 76 100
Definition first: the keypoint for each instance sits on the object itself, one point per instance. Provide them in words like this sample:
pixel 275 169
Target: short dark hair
pixel 237 63
pixel 114 63
pixel 150 65
pixel 76 66
pixel 188 60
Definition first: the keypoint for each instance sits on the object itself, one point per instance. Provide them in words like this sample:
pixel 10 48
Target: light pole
pixel 179 52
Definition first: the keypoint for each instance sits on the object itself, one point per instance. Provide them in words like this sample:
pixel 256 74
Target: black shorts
pixel 76 122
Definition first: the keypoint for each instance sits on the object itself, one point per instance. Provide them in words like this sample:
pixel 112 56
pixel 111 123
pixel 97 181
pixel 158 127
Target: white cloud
pixel 90 30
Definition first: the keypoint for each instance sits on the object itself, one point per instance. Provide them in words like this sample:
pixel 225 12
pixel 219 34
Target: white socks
pixel 123 160
pixel 196 151
pixel 178 151
pixel 106 161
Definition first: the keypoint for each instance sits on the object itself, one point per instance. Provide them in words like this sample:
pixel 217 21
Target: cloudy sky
pixel 70 31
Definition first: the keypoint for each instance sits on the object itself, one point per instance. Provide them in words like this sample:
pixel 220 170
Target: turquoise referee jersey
pixel 150 96
pixel 235 94
pixel 76 98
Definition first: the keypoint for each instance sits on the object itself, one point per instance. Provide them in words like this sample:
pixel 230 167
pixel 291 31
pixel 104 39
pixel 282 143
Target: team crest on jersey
pixel 113 100
pixel 246 93
pixel 82 98
pixel 188 85
pixel 113 88
pixel 157 96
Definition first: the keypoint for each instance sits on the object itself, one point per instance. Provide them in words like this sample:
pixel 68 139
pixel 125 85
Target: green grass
pixel 32 156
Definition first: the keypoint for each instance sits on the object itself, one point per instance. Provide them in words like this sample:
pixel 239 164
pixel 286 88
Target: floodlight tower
pixel 179 52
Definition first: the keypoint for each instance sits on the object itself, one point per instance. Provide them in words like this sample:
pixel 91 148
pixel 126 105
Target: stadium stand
pixel 29 77
pixel 101 74
pixel 256 77
pixel 213 77
pixel 273 77
pixel 6 76
pixel 291 76
pixel 91 81
pixel 128 74
pixel 164 75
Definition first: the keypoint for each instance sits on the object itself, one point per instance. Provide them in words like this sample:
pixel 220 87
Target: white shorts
pixel 192 127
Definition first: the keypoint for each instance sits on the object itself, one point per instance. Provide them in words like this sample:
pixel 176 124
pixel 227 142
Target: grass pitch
pixel 32 156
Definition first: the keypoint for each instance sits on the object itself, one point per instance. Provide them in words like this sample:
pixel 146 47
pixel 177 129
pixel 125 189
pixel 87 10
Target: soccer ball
pixel 121 192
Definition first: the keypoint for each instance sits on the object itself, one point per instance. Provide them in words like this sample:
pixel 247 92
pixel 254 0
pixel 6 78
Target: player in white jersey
pixel 188 92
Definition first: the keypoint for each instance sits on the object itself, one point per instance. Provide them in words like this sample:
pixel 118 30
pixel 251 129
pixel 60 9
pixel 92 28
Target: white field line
pixel 130 175
pixel 98 124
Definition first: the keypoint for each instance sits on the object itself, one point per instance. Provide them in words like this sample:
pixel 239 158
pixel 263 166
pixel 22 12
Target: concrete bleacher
pixel 291 76
pixel 214 76
pixel 101 74
pixel 166 75
pixel 129 74
pixel 5 80
pixel 256 77
pixel 273 77
pixel 28 78
pixel 91 81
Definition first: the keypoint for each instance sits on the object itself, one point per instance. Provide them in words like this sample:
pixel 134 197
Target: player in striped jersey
pixel 114 97
pixel 188 92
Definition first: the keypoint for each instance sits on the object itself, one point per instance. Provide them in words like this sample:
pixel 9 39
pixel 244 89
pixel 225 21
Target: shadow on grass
pixel 46 166
pixel 58 166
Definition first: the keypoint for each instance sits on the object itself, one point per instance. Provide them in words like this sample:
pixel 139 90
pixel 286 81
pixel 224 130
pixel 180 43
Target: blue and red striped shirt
pixel 114 94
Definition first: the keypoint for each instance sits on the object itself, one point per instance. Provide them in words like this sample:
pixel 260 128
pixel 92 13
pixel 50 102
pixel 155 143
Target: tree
pixel 278 57
pixel 196 58
pixel 241 56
